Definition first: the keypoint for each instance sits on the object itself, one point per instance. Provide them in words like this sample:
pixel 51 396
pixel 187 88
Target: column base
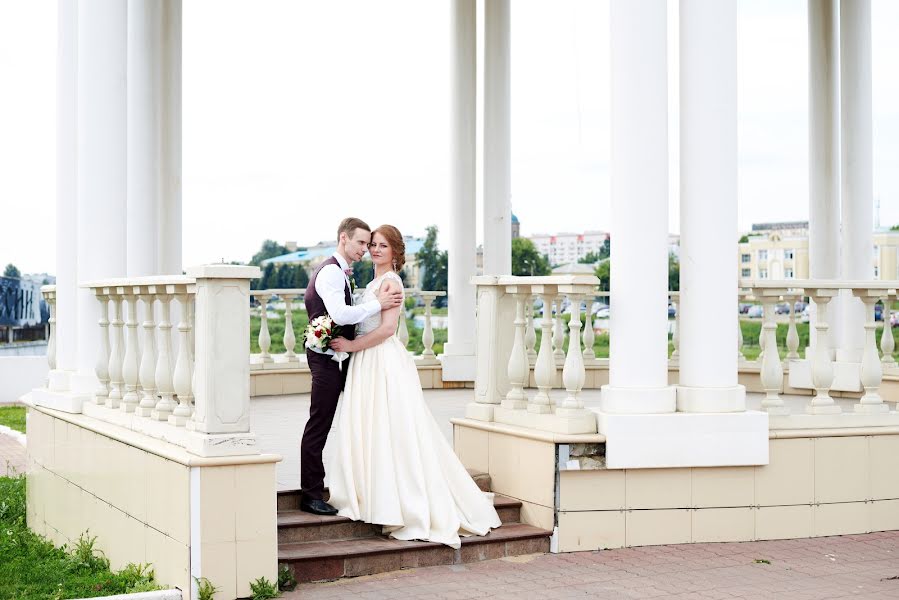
pixel 711 399
pixel 642 441
pixel 644 400
pixel 85 384
pixel 479 412
pixel 69 402
pixel 58 380
pixel 459 362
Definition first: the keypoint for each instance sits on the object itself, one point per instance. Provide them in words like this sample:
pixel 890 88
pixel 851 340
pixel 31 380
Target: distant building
pixel 780 251
pixel 562 248
pixel 516 227
pixel 312 256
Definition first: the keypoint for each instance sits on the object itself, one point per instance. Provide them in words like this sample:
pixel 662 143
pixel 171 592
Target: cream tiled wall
pixel 815 486
pixel 137 504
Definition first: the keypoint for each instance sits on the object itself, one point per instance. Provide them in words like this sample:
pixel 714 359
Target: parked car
pixel 756 311
pixel 782 308
pixel 603 313
pixel 744 307
pixel 878 312
pixel 894 319
pixel 672 312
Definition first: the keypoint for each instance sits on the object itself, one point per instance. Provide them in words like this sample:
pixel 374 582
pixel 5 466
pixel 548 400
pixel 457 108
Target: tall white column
pixel 66 193
pixel 459 352
pixel 824 148
pixel 856 169
pixel 638 372
pixel 497 139
pixel 708 163
pixel 101 170
pixel 154 137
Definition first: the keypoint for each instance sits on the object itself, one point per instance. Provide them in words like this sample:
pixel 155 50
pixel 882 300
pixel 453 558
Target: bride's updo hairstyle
pixel 397 245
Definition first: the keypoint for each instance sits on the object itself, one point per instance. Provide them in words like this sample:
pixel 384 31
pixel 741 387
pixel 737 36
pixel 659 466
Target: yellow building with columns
pixel 782 253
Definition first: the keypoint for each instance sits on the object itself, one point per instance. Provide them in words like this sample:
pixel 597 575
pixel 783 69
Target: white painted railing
pixel 195 379
pixel 49 294
pixel 294 357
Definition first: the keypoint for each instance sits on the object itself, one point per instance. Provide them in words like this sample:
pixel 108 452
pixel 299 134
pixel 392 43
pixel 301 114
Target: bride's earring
pixel 394 265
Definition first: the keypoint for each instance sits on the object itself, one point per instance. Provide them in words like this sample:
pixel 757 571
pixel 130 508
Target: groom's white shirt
pixel 330 285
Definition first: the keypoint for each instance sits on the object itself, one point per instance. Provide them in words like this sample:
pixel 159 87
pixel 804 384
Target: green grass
pixel 13 417
pixel 32 568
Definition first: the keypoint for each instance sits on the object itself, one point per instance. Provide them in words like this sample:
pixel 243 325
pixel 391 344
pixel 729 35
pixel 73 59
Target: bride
pixel 392 465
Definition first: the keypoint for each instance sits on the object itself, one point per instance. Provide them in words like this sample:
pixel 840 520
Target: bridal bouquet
pixel 319 333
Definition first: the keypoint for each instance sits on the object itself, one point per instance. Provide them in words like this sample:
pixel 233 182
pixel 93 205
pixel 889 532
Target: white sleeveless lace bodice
pixel 371 323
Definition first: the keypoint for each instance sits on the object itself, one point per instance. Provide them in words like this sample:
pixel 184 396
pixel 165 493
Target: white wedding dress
pixel 391 465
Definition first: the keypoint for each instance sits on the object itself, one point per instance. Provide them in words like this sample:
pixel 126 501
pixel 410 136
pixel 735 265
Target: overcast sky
pixel 297 113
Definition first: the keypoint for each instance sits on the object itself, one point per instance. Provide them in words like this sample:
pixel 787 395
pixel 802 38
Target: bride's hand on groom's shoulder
pixel 341 345
pixel 390 297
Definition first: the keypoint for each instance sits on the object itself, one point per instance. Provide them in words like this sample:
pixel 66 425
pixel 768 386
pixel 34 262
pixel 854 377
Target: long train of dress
pixel 391 464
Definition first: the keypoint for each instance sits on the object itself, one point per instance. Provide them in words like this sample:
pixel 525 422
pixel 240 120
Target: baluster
pixel 166 403
pixel 290 339
pixel 871 367
pixel 427 336
pixel 148 358
pixel 558 334
pixel 772 370
pixel 573 374
pixel 265 338
pixel 545 367
pixel 675 335
pixel 887 343
pixel 402 330
pixel 530 335
pixel 101 396
pixel 589 334
pixel 182 380
pixel 130 363
pixel 822 366
pixel 792 333
pixel 765 317
pixel 518 369
pixel 740 356
pixel 116 383
pixel 51 337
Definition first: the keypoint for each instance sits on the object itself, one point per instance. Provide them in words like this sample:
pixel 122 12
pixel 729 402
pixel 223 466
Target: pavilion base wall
pixel 209 518
pixel 814 486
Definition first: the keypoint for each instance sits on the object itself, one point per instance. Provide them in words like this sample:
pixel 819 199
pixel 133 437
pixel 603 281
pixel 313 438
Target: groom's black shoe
pixel 317 507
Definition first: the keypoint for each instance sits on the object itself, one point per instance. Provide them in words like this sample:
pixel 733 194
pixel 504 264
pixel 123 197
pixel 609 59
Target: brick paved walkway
pixel 857 566
pixel 12 456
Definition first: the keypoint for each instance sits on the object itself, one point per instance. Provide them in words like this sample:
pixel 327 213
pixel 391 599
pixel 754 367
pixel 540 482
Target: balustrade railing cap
pixel 833 284
pixel 279 292
pixel 591 280
pixel 224 272
pixel 48 288
pixel 137 281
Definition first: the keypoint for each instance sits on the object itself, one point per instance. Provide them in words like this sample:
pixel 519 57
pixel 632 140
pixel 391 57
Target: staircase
pixel 317 548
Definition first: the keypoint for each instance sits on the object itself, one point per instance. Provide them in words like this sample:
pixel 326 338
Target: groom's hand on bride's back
pixel 390 297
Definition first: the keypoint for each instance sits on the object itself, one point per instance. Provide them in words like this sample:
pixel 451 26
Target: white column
pixel 824 151
pixel 101 147
pixel 66 326
pixel 497 139
pixel 856 169
pixel 708 164
pixel 459 351
pixel 638 356
pixel 154 137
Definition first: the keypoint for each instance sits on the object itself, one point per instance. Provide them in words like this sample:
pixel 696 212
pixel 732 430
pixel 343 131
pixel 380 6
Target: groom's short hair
pixel 350 225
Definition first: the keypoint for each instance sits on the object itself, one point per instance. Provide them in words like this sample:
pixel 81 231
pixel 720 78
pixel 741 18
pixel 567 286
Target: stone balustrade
pixel 190 385
pixel 505 345
pixel 49 294
pixel 295 357
pixel 819 356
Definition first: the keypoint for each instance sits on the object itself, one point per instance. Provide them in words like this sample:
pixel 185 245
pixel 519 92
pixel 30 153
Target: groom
pixel 329 292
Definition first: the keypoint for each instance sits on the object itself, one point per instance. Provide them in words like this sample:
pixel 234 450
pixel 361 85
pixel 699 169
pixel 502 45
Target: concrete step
pixel 333 559
pixel 298 526
pixel 290 499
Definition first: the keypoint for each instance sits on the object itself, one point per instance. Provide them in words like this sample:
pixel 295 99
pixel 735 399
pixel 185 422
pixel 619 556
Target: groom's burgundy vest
pixel 315 306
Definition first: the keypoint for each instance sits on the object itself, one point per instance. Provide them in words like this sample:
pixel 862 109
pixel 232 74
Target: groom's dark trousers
pixel 327 383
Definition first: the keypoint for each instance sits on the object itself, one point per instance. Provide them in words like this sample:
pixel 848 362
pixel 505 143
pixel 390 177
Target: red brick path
pixel 857 566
